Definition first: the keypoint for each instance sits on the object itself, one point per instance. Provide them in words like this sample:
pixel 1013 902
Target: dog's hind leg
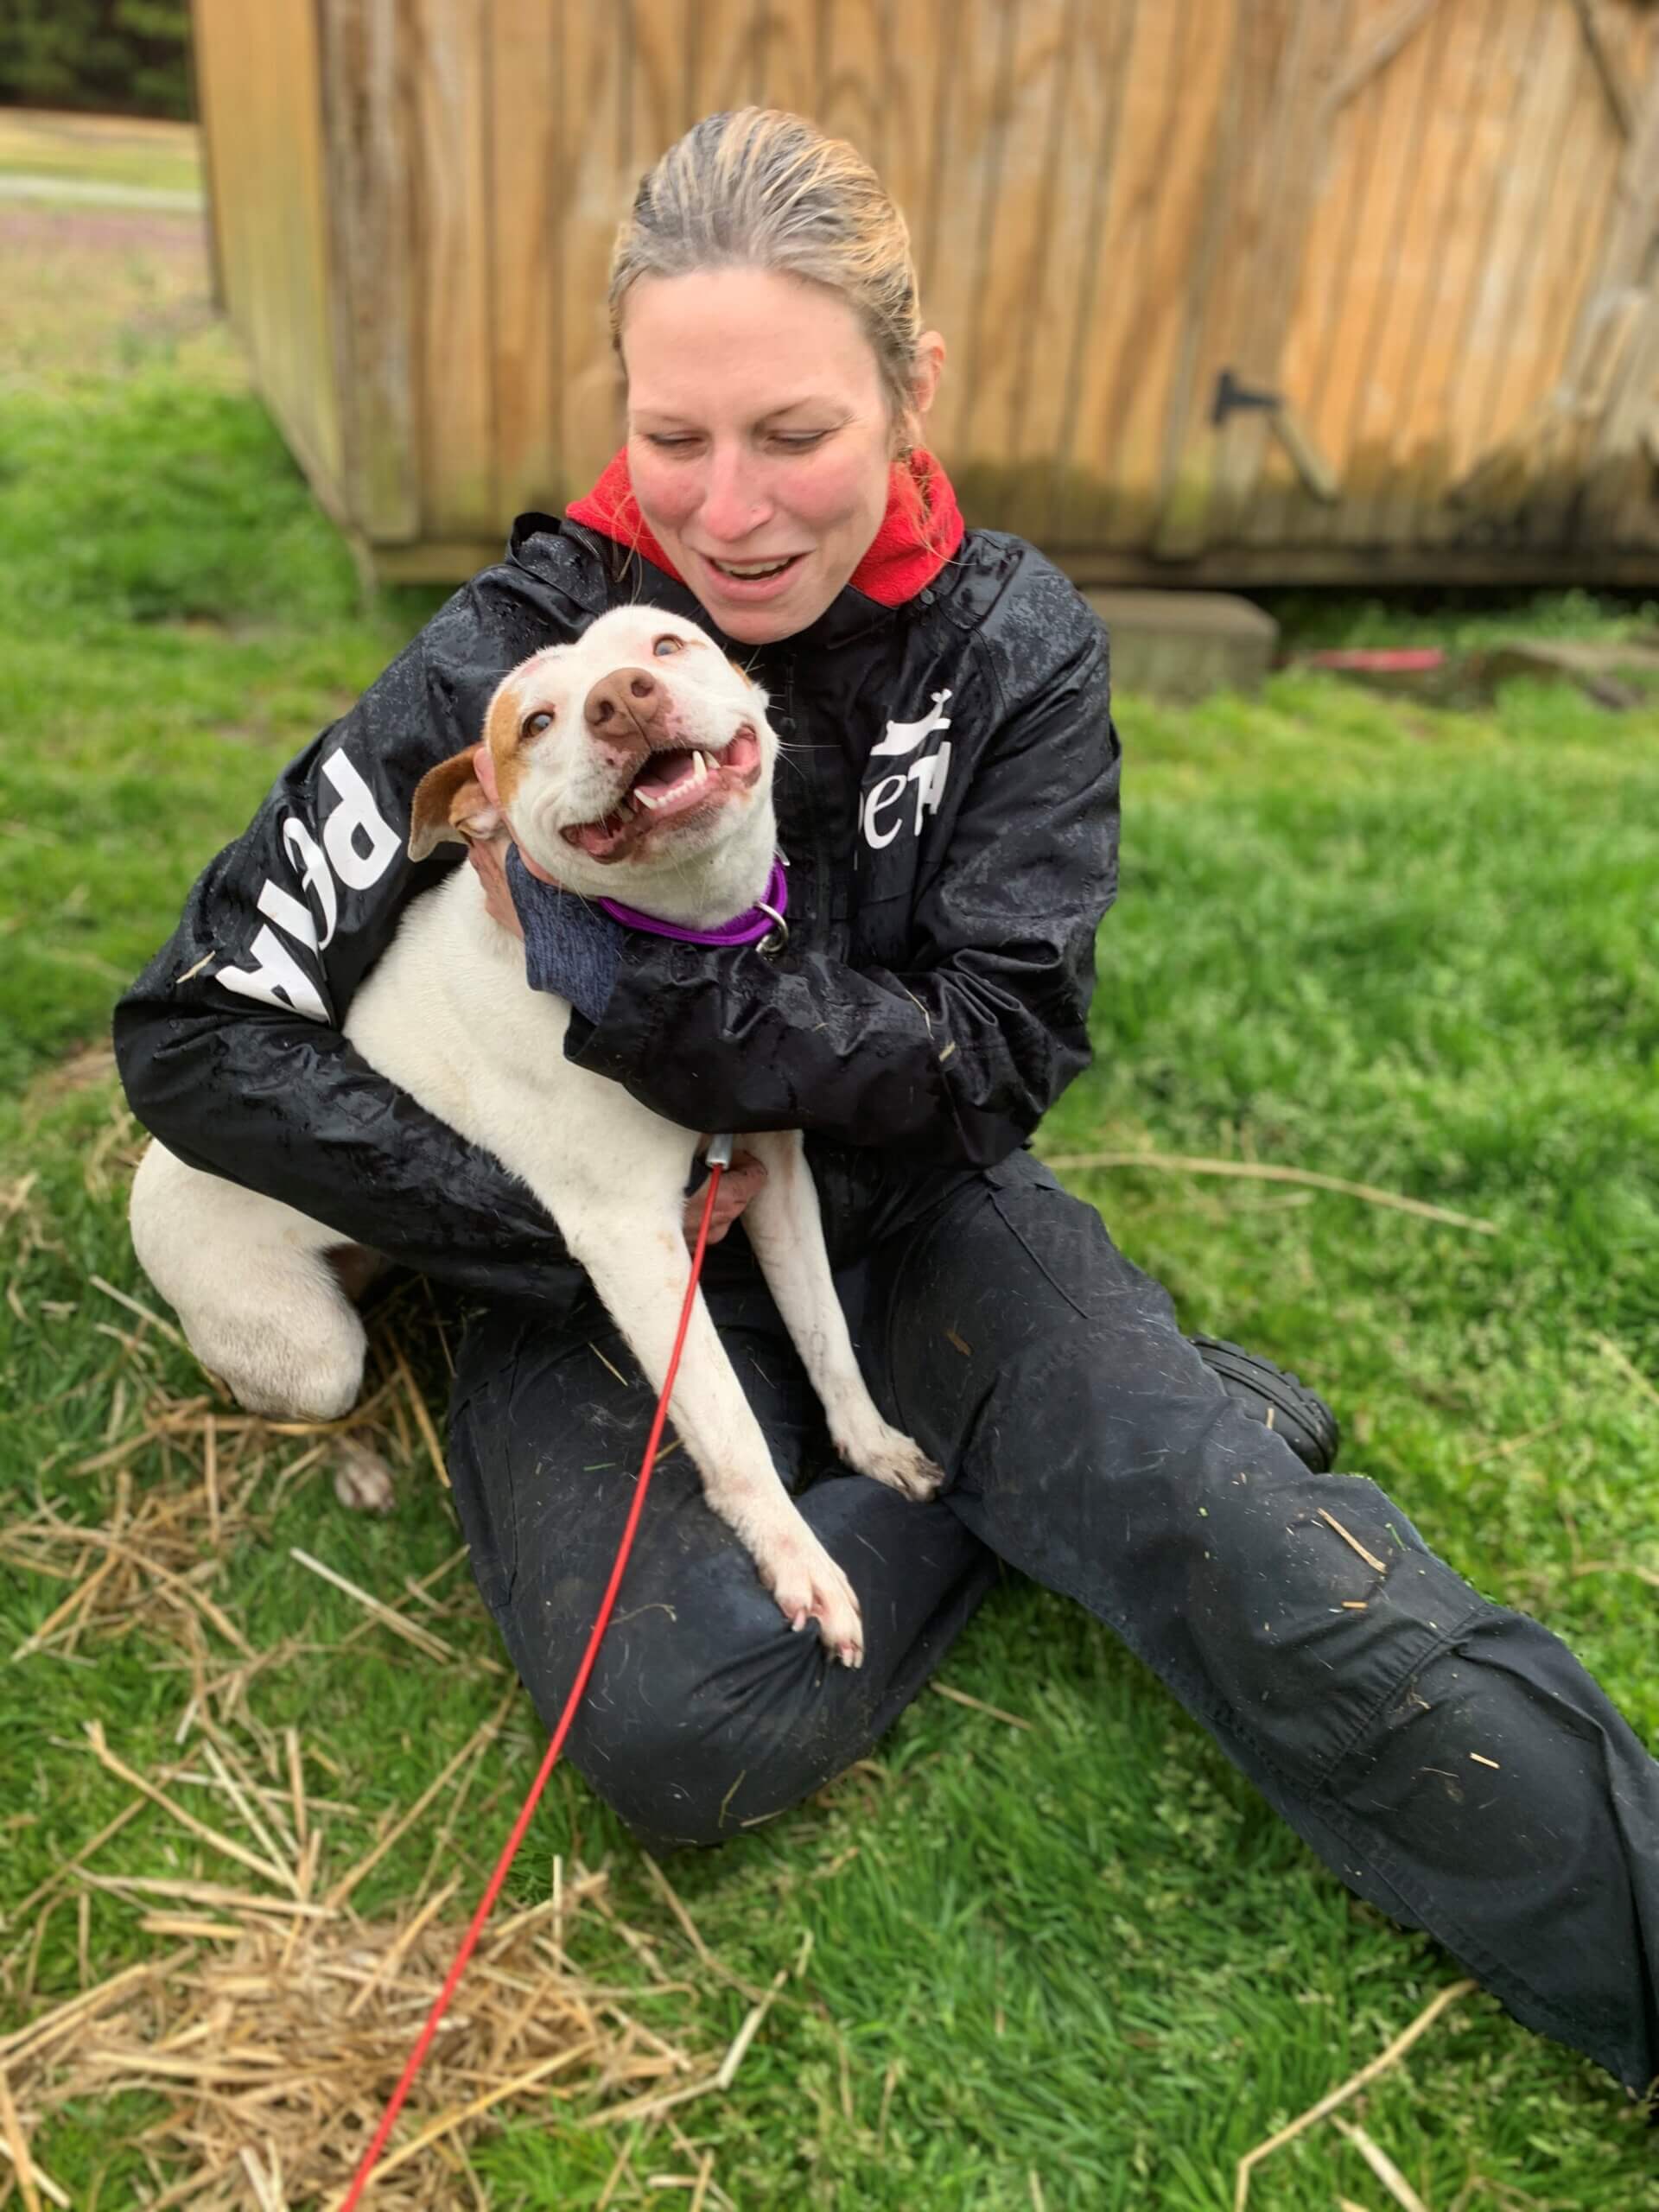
pixel 785 1229
pixel 251 1281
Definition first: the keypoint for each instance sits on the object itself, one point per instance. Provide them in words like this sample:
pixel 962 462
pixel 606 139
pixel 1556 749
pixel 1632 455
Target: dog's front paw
pixel 888 1456
pixel 807 1586
pixel 362 1478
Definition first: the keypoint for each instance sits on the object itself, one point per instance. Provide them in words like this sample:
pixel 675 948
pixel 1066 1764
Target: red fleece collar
pixel 893 570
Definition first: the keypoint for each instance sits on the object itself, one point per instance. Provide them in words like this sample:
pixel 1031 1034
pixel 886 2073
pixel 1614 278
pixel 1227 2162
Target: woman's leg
pixel 705 1712
pixel 1451 1760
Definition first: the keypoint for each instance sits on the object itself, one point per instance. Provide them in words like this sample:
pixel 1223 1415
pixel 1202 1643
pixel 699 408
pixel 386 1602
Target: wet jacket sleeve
pixel 956 1056
pixel 229 1043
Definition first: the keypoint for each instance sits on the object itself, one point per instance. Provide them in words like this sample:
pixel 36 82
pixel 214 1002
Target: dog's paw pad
pixel 362 1480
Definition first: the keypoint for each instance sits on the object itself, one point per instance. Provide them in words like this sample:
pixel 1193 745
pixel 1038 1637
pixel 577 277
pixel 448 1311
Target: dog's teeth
pixel 646 800
pixel 699 767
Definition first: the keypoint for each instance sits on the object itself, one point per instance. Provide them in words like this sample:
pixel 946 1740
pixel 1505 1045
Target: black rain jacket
pixel 947 796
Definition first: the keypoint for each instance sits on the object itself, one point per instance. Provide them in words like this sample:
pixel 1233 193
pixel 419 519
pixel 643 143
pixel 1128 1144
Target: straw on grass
pixel 1258 1172
pixel 1381 2165
pixel 1396 2050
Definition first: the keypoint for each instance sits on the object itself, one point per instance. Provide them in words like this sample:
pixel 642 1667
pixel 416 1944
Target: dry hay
pixel 272 2018
pixel 277 2022
pixel 180 1479
pixel 280 2031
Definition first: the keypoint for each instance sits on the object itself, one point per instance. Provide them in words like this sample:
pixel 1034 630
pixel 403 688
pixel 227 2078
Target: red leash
pixel 719 1154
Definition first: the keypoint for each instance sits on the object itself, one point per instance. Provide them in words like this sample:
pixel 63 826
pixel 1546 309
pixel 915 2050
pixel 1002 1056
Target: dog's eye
pixel 534 725
pixel 668 643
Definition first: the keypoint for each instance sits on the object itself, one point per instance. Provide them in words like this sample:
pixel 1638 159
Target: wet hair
pixel 760 188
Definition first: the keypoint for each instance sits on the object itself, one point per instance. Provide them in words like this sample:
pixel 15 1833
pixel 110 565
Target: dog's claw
pixel 887 1455
pixel 808 1585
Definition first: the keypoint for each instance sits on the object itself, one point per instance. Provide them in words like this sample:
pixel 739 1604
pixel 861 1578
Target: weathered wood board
pixel 1234 290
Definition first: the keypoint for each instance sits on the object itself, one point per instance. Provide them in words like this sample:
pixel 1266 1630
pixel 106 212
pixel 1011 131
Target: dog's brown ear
pixel 451 807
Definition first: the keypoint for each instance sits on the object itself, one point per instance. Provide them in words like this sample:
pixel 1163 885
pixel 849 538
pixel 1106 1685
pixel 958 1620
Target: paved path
pixel 88 193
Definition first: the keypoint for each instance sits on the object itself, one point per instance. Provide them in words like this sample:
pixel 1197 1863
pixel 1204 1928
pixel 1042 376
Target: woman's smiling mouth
pixel 751 579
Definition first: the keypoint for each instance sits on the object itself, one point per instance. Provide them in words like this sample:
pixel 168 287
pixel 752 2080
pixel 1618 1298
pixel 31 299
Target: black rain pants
pixel 1087 1445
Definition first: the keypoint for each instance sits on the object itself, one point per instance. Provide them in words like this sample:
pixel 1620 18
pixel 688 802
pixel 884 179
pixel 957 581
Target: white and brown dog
pixel 639 757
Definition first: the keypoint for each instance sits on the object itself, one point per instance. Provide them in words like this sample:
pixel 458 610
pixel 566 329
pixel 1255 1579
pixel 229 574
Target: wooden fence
pixel 1234 291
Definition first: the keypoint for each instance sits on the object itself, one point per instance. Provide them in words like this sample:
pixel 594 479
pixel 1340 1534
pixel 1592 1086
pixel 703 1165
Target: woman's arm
pixel 958 1056
pixel 229 1043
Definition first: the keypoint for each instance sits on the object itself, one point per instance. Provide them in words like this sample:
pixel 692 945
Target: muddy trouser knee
pixel 1449 1759
pixel 705 1713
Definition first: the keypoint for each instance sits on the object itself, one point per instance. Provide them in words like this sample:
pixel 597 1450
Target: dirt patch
pixel 97 290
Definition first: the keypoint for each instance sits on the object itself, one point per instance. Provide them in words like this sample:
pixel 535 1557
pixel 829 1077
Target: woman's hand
pixel 737 1186
pixel 489 864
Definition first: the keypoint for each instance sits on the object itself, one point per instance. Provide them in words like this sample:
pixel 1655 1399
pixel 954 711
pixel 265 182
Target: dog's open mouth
pixel 670 785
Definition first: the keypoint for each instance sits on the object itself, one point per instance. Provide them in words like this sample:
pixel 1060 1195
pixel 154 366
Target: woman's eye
pixel 534 725
pixel 668 442
pixel 668 643
pixel 798 440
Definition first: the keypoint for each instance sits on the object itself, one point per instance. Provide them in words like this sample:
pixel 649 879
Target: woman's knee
pixel 706 1715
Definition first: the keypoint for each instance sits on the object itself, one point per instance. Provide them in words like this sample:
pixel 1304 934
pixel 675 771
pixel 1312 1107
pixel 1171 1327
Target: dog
pixel 636 762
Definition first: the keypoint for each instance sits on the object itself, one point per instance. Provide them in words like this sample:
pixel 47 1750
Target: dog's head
pixel 636 762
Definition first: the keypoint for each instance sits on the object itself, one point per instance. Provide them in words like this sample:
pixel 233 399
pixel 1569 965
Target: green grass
pixel 1414 948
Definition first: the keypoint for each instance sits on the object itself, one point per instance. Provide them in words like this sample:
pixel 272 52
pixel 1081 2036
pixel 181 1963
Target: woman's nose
pixel 735 501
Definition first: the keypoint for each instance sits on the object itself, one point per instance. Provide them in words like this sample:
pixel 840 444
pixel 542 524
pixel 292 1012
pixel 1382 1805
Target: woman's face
pixel 760 441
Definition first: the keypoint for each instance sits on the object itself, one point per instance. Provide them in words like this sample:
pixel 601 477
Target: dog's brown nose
pixel 622 704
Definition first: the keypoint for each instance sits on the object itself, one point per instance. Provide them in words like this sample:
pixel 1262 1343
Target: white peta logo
pixel 928 776
pixel 358 845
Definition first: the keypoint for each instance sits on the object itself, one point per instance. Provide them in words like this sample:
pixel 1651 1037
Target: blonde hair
pixel 760 188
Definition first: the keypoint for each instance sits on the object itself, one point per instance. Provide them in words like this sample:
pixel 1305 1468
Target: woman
pixel 948 802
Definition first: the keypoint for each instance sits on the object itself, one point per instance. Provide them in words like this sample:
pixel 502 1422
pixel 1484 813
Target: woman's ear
pixel 928 367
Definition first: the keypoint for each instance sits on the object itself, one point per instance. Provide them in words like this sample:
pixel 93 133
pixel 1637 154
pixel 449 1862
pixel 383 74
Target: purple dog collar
pixel 764 921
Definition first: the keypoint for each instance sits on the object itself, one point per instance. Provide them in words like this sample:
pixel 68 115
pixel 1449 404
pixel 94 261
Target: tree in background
pixel 121 57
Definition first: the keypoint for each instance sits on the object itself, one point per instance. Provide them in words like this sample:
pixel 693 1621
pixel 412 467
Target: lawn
pixel 1072 1963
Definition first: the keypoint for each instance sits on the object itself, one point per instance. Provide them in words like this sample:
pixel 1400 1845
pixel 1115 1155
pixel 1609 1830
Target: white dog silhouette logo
pixel 905 737
pixel 880 812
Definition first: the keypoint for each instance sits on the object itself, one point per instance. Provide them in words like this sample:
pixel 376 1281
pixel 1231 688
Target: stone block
pixel 1182 645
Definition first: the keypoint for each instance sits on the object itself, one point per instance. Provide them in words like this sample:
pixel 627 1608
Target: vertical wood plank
pixel 785 56
pixel 371 211
pixel 597 188
pixel 728 58
pixel 526 155
pixel 1171 160
pixel 1506 339
pixel 1011 362
pixel 913 146
pixel 1410 93
pixel 450 126
pixel 215 53
pixel 964 178
pixel 1079 281
pixel 1309 372
pixel 1131 283
pixel 1465 217
pixel 853 66
pixel 1252 241
pixel 259 85
pixel 1618 503
pixel 658 63
pixel 1441 231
